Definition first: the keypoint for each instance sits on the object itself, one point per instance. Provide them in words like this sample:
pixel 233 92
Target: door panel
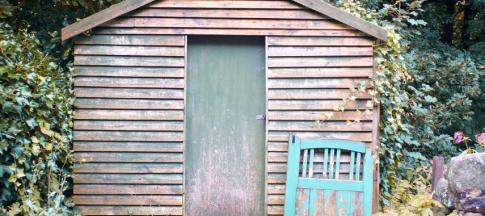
pixel 225 153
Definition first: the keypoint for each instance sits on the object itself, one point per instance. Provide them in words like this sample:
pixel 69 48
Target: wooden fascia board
pixel 333 12
pixel 102 17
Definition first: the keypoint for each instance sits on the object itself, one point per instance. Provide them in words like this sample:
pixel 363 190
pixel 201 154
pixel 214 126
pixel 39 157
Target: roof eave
pixel 342 16
pixel 101 17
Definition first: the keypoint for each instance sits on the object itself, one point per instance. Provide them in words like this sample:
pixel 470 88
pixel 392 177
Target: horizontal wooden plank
pixel 276 199
pixel 124 50
pixel 128 168
pixel 224 23
pixel 123 82
pixel 314 93
pixel 298 62
pixel 279 167
pixel 142 40
pixel 128 115
pixel 275 146
pixel 315 104
pixel 101 71
pixel 134 104
pixel 128 125
pixel 129 61
pixel 81 92
pixel 120 200
pixel 127 189
pixel 130 210
pixel 275 210
pixel 219 31
pixel 229 13
pixel 357 136
pixel 276 189
pixel 127 136
pixel 365 72
pixel 320 41
pixel 128 178
pixel 128 146
pixel 322 126
pixel 276 178
pixel 319 51
pixel 126 157
pixel 315 116
pixel 325 83
pixel 229 4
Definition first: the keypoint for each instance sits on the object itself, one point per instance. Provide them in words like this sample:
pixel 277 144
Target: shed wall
pixel 308 77
pixel 130 89
pixel 129 122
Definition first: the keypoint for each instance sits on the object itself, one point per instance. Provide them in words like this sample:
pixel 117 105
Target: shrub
pixel 36 100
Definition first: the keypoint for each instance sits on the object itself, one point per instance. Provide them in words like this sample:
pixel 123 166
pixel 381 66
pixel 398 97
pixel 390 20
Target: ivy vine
pixel 35 132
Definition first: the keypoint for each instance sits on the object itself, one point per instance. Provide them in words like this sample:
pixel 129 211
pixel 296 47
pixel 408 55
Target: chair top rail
pixel 348 145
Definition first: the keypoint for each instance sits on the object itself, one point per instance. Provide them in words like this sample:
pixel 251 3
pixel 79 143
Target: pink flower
pixel 458 137
pixel 480 138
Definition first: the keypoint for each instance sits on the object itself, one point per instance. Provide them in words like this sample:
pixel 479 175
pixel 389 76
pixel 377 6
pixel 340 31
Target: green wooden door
pixel 224 141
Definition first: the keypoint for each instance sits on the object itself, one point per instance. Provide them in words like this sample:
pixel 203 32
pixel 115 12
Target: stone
pixel 463 186
pixel 442 194
pixel 466 172
pixel 473 201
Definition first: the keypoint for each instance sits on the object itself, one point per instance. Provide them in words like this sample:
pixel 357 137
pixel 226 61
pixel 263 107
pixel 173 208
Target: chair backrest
pixel 328 177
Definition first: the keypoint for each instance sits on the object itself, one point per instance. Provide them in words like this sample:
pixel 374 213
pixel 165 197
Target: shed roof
pixel 129 5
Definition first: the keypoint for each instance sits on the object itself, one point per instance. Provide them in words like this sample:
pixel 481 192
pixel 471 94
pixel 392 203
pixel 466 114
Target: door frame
pixel 266 123
pixel 266 133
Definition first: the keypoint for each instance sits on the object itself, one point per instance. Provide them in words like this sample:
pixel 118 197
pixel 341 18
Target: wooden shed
pixel 185 106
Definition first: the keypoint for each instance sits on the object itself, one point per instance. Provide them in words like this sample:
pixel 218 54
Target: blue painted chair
pixel 328 177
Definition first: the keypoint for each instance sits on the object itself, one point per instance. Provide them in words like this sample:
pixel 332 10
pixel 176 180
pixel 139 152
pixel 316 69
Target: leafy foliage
pixel 47 17
pixel 35 132
pixel 429 81
pixel 414 198
pixel 427 88
pixel 36 100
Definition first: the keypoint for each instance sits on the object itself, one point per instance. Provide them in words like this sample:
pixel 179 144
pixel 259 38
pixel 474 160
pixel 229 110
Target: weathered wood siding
pixel 129 124
pixel 307 78
pixel 130 88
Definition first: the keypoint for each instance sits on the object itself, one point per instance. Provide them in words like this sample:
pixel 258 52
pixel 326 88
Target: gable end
pixel 127 6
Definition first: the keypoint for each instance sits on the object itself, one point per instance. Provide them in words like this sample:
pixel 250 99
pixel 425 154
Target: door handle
pixel 261 117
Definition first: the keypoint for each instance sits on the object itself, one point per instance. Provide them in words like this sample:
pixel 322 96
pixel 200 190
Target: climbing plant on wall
pixel 36 105
pixel 35 100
